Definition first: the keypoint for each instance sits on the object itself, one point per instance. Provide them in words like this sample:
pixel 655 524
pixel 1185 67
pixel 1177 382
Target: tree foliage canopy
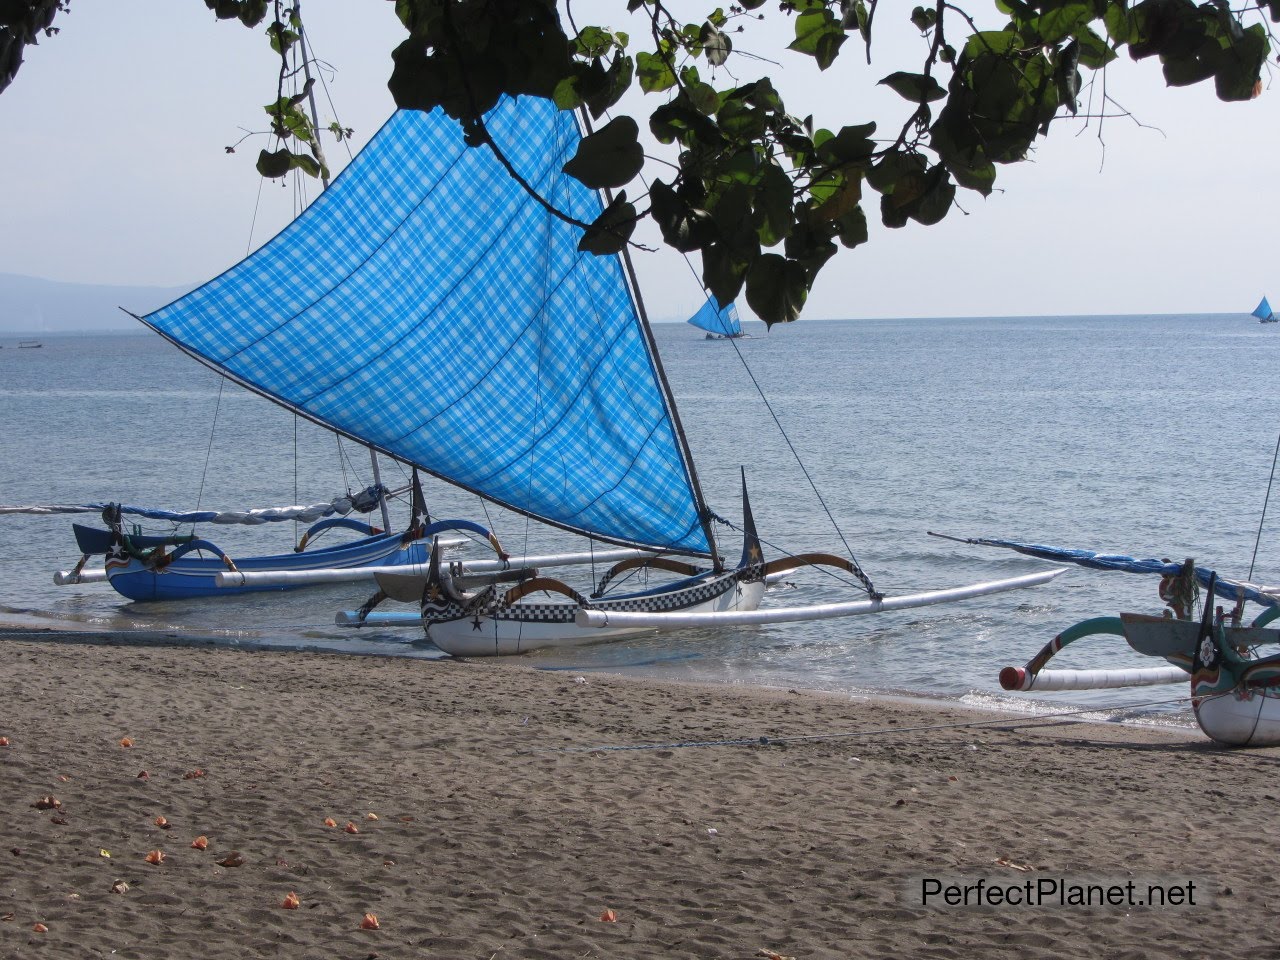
pixel 762 194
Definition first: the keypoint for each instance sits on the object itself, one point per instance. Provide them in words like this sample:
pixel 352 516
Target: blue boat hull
pixel 191 576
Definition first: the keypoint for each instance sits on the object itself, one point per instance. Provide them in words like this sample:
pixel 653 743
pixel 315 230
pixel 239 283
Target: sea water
pixel 1143 435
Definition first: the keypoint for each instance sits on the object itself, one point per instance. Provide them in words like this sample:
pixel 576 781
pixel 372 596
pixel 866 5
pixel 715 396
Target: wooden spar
pixel 379 619
pixel 318 150
pixel 668 398
pixel 347 575
pixel 1017 678
pixel 68 578
pixel 382 499
pixel 587 617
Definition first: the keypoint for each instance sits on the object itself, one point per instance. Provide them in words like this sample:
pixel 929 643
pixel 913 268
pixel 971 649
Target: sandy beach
pixel 462 804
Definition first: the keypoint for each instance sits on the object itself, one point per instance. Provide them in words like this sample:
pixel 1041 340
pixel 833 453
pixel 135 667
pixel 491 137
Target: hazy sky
pixel 114 170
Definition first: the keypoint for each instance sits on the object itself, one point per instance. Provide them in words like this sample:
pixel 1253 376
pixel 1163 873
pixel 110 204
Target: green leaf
pixel 566 95
pixel 935 203
pixel 851 145
pixel 278 163
pixel 924 19
pixel 818 33
pixel 253 12
pixel 715 45
pixel 915 87
pixel 776 288
pixel 774 202
pixel 617 81
pixel 683 227
pixel 723 271
pixel 989 41
pixel 701 95
pixel 740 120
pixel 836 196
pixel 654 72
pixel 609 157
pixel 595 42
pixel 282 38
pixel 222 9
pixel 679 120
pixel 609 232
pixel 1055 25
pixel 1239 72
pixel 1067 77
pixel 1094 52
pixel 853 227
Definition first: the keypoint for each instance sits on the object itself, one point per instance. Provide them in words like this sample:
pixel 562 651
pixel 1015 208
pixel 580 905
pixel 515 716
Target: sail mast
pixel 633 284
pixel 318 151
pixel 704 514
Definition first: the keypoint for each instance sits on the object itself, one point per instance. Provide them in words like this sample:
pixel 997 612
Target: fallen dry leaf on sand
pixel 351 827
pixel 155 856
pixel 371 816
pixel 40 928
pixel 105 853
pixel 143 775
pixel 290 901
pixel 765 952
pixel 162 823
pixel 233 859
pixel 119 887
pixel 4 741
pixel 200 843
pixel 193 774
pixel 609 916
pixel 126 742
pixel 330 822
pixel 370 922
pixel 59 820
pixel 47 803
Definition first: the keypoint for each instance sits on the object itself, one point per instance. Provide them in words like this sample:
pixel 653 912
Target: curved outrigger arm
pixel 1023 678
pixel 784 564
pixel 542 585
pixel 645 563
pixel 343 523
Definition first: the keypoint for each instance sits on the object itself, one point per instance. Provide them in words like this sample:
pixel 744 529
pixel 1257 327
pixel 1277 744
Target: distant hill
pixel 33 305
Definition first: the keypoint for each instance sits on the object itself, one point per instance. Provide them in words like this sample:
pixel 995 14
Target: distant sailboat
pixel 29 344
pixel 721 323
pixel 1264 313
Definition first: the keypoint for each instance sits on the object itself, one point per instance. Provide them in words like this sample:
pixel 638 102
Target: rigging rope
pixel 1265 501
pixel 209 449
pixel 858 572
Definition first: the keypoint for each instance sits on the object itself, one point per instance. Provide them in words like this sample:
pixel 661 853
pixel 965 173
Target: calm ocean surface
pixel 1151 436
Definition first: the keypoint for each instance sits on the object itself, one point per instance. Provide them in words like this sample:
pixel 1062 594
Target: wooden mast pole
pixel 318 152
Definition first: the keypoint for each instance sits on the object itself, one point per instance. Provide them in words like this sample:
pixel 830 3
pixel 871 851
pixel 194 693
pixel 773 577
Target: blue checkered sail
pixel 716 319
pixel 427 305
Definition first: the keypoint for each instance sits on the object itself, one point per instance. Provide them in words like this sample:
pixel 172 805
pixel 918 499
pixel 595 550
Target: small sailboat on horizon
pixel 1264 313
pixel 720 323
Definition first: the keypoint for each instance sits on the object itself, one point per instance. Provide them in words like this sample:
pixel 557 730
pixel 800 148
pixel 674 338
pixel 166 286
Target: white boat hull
pixel 1240 718
pixel 506 636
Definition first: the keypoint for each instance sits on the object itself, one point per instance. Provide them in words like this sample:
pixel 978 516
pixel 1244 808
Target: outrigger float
pixel 1235 683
